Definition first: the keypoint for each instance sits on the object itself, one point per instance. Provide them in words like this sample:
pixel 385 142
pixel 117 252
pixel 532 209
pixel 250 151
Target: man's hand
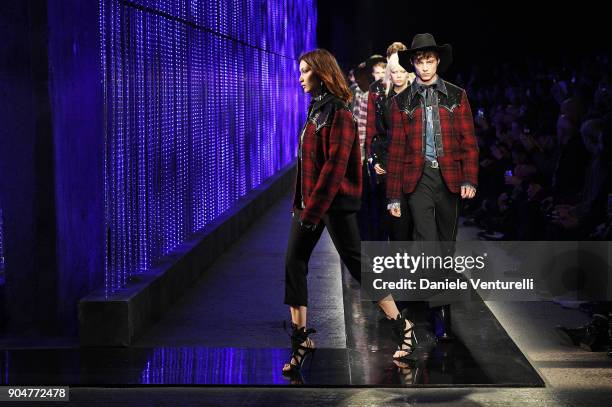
pixel 467 191
pixel 379 170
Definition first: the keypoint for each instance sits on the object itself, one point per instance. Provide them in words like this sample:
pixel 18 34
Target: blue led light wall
pixel 1 246
pixel 202 104
pixel 219 366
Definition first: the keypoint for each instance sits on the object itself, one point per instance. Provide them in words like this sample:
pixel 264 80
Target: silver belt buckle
pixel 434 164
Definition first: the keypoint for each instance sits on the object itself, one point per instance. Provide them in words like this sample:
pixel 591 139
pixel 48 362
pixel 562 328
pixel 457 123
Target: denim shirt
pixel 432 139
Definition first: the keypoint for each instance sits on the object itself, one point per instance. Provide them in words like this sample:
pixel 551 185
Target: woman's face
pixel 308 79
pixel 378 72
pixel 399 76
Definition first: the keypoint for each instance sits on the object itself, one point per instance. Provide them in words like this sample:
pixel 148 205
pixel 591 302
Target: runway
pixel 228 331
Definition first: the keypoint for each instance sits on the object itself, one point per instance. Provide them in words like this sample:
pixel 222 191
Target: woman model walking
pixel 327 195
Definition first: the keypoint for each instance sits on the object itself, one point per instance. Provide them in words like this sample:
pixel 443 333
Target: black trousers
pixel 344 232
pixel 380 228
pixel 434 208
pixel 435 215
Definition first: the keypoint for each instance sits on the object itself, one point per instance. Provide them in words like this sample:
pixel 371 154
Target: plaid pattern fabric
pixel 360 111
pixel 459 161
pixel 331 161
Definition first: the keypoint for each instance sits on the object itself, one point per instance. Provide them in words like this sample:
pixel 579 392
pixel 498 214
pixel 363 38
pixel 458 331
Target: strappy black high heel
pixel 299 351
pixel 405 338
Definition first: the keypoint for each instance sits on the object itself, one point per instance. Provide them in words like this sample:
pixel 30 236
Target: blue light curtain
pixel 202 104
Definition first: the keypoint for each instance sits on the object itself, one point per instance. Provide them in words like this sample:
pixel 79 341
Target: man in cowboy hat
pixel 433 153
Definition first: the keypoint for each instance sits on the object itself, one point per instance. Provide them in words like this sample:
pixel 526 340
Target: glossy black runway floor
pixel 482 355
pixel 354 337
pixel 445 366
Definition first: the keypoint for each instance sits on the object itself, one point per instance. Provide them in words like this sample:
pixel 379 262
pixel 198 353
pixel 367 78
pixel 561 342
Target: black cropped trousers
pixel 344 232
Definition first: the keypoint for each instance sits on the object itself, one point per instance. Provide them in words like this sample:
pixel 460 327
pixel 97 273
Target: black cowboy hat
pixel 425 42
pixel 373 60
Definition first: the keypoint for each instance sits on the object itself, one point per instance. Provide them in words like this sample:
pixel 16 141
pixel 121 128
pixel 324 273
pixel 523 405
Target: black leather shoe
pixel 442 323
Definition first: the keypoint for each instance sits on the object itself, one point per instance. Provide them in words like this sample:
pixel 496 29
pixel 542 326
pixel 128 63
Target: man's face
pixel 307 77
pixel 426 67
pixel 378 72
pixel 399 76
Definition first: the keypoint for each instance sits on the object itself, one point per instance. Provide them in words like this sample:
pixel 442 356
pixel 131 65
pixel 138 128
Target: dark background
pixel 481 33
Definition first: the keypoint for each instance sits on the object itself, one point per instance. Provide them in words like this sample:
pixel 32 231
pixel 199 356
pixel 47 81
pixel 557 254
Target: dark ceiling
pixel 481 33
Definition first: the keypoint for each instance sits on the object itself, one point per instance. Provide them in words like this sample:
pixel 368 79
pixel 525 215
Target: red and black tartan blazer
pixel 329 171
pixel 459 159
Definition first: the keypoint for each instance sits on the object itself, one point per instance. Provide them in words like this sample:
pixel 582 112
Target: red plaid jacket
pixel 459 159
pixel 329 168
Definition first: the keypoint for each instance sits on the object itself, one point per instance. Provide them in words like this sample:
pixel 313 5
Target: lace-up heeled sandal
pixel 405 338
pixel 298 350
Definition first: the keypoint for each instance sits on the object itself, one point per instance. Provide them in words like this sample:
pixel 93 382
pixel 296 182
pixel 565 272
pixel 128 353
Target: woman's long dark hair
pixel 325 67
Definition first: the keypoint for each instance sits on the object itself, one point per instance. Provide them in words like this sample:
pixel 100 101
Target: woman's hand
pixel 397 212
pixel 379 170
pixel 395 209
